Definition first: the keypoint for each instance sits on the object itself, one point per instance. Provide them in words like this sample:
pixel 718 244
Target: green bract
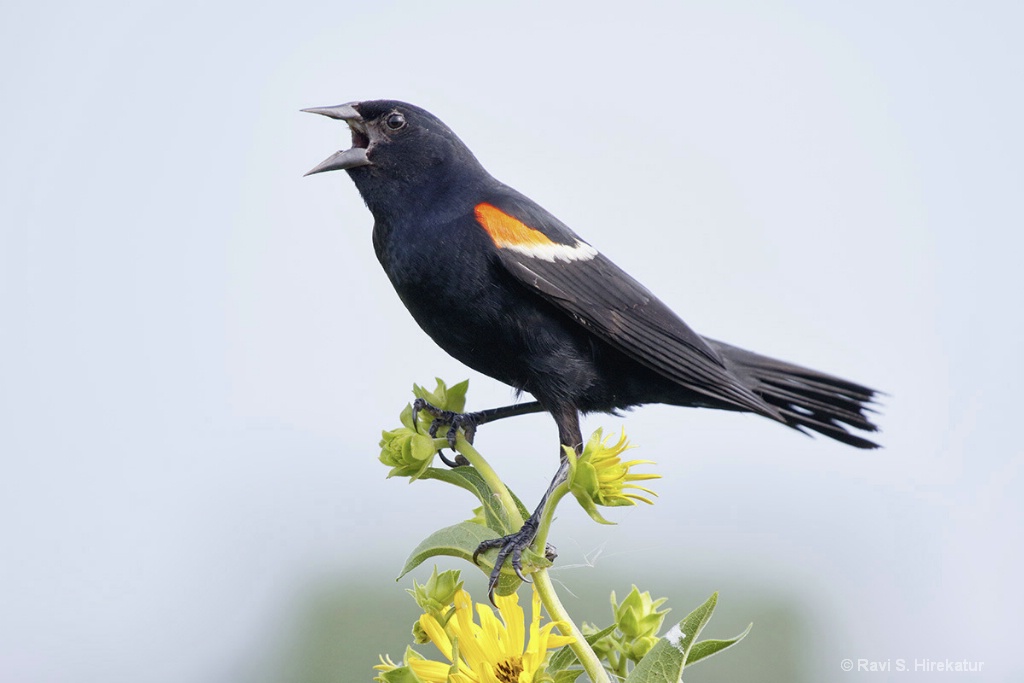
pixel 599 477
pixel 419 636
pixel 389 672
pixel 479 517
pixel 445 397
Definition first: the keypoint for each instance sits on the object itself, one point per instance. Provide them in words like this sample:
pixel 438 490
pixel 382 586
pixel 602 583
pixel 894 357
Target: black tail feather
pixel 806 399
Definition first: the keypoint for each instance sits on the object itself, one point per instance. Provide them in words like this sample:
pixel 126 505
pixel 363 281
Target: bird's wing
pixel 546 256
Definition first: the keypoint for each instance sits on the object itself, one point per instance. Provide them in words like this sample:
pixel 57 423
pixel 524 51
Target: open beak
pixel 349 158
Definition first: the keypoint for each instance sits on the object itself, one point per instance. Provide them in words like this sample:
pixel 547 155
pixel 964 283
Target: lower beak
pixel 349 158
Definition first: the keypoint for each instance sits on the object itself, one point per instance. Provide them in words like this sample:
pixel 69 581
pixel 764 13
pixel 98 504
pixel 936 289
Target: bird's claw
pixel 511 548
pixel 446 418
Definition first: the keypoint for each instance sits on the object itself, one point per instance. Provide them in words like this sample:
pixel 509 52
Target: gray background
pixel 199 350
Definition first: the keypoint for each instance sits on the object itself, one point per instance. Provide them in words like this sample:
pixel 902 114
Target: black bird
pixel 509 290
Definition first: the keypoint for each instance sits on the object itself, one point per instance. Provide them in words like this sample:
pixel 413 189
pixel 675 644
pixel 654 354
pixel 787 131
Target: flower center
pixel 509 670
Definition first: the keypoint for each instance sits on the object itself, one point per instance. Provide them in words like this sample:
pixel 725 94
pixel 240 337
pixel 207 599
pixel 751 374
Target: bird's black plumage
pixel 508 289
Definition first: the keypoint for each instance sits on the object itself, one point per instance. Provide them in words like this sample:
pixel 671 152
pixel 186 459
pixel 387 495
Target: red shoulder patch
pixel 508 231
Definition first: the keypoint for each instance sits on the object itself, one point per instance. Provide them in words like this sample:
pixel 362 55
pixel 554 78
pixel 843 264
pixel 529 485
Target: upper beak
pixel 349 158
pixel 345 112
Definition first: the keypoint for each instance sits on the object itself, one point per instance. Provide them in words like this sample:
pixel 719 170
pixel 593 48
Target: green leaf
pixel 567 675
pixel 565 657
pixel 458 540
pixel 692 625
pixel 469 479
pixel 461 540
pixel 665 662
pixel 706 648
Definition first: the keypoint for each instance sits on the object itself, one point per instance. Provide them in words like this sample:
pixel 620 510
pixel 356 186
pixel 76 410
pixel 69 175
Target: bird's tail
pixel 805 398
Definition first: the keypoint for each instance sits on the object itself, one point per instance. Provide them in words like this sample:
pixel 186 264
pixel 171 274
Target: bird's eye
pixel 395 121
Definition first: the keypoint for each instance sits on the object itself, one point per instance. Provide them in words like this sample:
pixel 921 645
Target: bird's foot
pixel 467 422
pixel 511 548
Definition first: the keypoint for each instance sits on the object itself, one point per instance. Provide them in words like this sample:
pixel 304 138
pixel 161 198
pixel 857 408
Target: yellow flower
pixel 599 477
pixel 492 651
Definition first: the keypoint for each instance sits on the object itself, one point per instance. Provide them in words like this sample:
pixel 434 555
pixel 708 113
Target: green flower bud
pixel 640 647
pixel 638 616
pixel 437 594
pixel 407 453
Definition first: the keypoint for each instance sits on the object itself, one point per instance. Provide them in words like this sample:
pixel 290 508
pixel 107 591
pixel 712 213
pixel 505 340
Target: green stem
pixel 620 666
pixel 588 658
pixel 549 515
pixel 586 655
pixel 493 480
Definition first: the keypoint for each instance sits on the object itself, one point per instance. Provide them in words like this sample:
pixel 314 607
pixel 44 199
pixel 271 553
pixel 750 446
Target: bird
pixel 509 290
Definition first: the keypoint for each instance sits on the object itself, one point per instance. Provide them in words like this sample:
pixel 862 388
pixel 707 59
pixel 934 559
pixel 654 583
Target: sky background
pixel 199 349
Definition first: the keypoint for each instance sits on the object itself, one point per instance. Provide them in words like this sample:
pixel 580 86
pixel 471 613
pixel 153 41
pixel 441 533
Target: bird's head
pixel 399 151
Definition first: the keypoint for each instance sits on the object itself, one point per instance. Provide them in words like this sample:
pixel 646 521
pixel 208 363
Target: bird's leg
pixel 512 546
pixel 468 422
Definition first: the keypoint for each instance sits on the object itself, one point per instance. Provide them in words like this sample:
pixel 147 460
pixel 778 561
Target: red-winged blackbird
pixel 508 289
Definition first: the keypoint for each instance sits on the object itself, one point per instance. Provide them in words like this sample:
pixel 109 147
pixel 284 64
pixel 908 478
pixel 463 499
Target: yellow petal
pixel 515 619
pixel 640 477
pixel 555 640
pixel 430 672
pixel 436 634
pixel 493 637
pixel 468 632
